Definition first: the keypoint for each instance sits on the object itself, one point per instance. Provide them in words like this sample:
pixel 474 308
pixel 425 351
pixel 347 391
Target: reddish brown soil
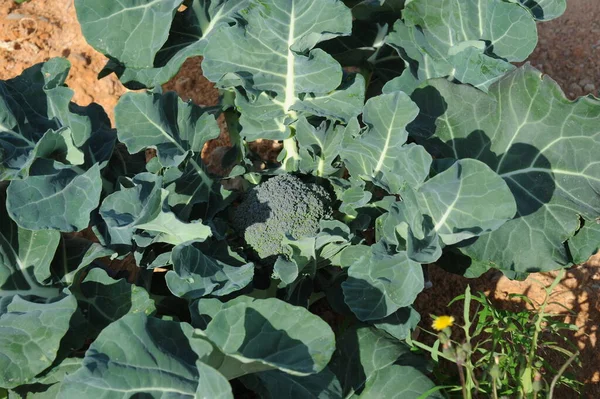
pixel 568 51
pixel 569 48
pixel 41 29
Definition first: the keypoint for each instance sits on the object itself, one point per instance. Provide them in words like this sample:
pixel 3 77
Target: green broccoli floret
pixel 282 206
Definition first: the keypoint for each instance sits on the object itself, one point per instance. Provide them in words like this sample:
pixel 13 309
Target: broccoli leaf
pixel 104 300
pixel 466 200
pixel 200 271
pixel 368 362
pixel 380 283
pixel 397 382
pixel 25 258
pixel 52 149
pixel 545 10
pixel 177 130
pixel 104 23
pixel 61 200
pixel 399 324
pixel 38 121
pixel 30 334
pixel 48 384
pixel 142 205
pixel 544 146
pixel 74 254
pixel 586 242
pixel 272 333
pixel 342 104
pixel 147 43
pixel 318 146
pixel 373 153
pixel 471 41
pixel 277 384
pixel 141 354
pixel 136 203
pixel 273 51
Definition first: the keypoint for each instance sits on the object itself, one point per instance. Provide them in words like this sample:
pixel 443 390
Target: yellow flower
pixel 441 322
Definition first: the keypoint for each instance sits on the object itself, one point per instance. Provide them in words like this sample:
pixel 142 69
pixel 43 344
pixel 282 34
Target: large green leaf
pixel 30 334
pixel 409 228
pixel 74 254
pixel 470 40
pixel 380 283
pixel 104 299
pixel 142 205
pixel 375 153
pixel 277 384
pixel 123 210
pixel 401 323
pixel 319 147
pixel 140 355
pixel 25 258
pixel 272 50
pixel 586 243
pixel 364 352
pixel 53 149
pixel 148 41
pixel 272 333
pixel 397 382
pixel 544 146
pixel 62 200
pixel 199 271
pixel 545 10
pixel 177 130
pixel 47 386
pixel 131 31
pixel 173 231
pixel 466 200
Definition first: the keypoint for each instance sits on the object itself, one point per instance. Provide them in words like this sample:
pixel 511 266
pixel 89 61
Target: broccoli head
pixel 282 206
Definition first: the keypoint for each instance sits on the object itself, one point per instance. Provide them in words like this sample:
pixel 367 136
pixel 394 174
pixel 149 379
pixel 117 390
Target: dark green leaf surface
pixel 545 10
pixel 147 42
pixel 25 258
pixel 37 121
pixel 399 324
pixel 273 333
pixel 196 274
pixel 137 354
pixel 276 384
pixel 318 147
pixel 472 41
pixel 361 352
pixel 373 154
pixel 380 283
pixel 61 201
pixel 177 130
pixel 273 50
pixel 30 334
pixel 586 243
pixel 397 382
pixel 104 299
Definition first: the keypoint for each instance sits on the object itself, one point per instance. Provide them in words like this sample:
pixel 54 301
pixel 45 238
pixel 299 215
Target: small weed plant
pixel 504 353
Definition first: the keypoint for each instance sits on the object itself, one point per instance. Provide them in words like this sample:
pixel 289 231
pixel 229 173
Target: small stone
pixel 589 88
pixel 575 90
pixel 584 82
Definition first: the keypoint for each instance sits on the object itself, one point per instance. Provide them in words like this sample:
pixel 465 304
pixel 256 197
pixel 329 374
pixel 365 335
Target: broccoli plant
pixel 408 138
